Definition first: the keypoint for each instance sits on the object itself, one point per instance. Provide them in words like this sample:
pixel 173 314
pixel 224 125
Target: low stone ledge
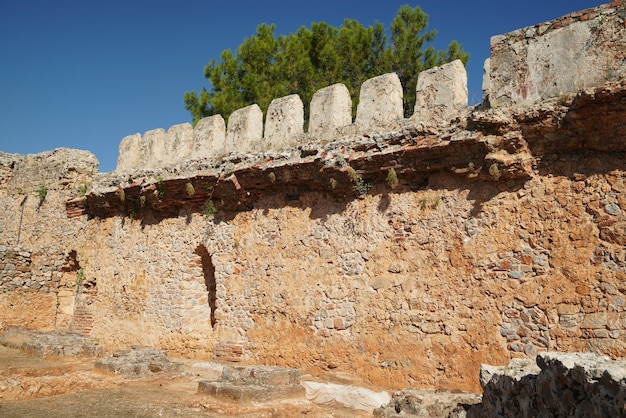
pixel 137 362
pixel 261 375
pixel 249 392
pixel 42 344
pixel 255 383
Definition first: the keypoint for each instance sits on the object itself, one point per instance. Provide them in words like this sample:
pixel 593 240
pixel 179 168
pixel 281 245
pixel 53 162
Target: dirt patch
pixel 62 387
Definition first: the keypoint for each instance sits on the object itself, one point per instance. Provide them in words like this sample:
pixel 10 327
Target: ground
pixel 63 387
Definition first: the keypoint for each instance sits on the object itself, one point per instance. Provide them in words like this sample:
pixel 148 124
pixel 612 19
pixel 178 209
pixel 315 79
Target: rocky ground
pixel 51 387
pixel 62 387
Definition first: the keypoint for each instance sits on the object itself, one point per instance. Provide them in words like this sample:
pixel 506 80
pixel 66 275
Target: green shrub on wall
pixel 42 193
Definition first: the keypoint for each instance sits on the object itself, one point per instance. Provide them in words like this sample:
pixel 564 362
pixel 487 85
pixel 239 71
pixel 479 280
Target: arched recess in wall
pixel 208 272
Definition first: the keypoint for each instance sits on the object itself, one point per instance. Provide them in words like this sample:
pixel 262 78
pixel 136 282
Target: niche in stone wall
pixel 75 294
pixel 66 292
pixel 208 271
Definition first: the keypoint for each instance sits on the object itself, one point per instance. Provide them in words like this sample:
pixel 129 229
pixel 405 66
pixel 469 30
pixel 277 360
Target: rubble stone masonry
pixel 407 256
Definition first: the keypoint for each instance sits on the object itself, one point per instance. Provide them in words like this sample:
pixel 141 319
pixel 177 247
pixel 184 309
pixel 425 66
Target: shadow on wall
pixel 208 271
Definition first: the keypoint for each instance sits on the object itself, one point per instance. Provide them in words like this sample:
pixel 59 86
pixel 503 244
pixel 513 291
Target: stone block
pixel 594 320
pixel 255 383
pixel 380 103
pixel 245 129
pixel 331 109
pixel 412 402
pixel 284 123
pixel 430 328
pixel 178 144
pixel 261 375
pixel 560 384
pixel 129 154
pixel 441 94
pixel 568 309
pixel 249 392
pixel 209 138
pixel 152 148
pixel 137 362
pixel 339 323
pixel 571 55
pixel 39 343
pixel 486 78
pixel 569 320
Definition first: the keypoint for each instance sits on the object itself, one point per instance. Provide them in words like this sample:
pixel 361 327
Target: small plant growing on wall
pixel 142 201
pixel 160 186
pixel 190 189
pixel 426 203
pixel 360 186
pixel 341 161
pixel 392 178
pixel 80 277
pixel 354 176
pixel 82 189
pixel 122 194
pixel 42 192
pixel 494 171
pixel 209 209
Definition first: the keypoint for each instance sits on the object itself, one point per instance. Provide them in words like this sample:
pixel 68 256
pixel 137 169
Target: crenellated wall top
pixel 547 60
pixel 380 108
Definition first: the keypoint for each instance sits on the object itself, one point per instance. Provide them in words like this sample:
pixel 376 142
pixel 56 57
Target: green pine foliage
pixel 265 67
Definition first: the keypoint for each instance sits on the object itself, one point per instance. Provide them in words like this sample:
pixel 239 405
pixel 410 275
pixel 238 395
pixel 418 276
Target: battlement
pixel 547 60
pixel 380 108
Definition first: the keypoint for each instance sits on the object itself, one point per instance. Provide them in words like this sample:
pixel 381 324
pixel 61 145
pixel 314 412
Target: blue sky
pixel 84 74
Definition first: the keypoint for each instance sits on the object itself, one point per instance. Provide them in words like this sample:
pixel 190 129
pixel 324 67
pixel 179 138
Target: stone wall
pixel 559 57
pixel 442 93
pixel 547 60
pixel 407 257
pixel 38 265
pixel 554 384
pixel 404 287
pixel 17 265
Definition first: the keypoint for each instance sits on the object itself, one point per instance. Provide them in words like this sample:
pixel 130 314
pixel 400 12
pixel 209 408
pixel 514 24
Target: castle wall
pixel 404 288
pixel 36 235
pixel 559 57
pixel 441 96
pixel 553 59
pixel 497 239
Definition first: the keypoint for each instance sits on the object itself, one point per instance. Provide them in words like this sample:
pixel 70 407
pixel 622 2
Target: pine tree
pixel 265 67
